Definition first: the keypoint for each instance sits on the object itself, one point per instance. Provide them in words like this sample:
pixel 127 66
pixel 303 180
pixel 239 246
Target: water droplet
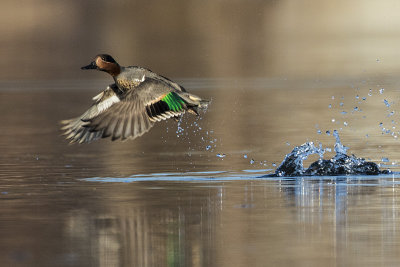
pixel 364 98
pixel 208 147
pixel 319 132
pixel 380 124
pixel 333 120
pixel 287 143
pixel 343 112
pixel 345 123
pixel 357 97
pixel 339 147
pixel 381 90
pixel 245 156
pixel 252 161
pixel 221 155
pixel 273 164
pixel 356 109
pixel 370 92
pixel 386 103
pixel 328 132
pixel 384 159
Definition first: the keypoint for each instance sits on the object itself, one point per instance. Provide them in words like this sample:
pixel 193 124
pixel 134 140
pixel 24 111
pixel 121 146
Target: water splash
pixel 339 147
pixel 186 128
pixel 180 129
pixel 292 165
pixel 340 164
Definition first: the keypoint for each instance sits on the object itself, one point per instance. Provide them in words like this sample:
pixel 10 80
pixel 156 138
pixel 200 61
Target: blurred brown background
pixel 47 39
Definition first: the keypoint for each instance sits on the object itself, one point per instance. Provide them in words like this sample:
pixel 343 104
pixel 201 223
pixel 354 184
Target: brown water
pixel 167 200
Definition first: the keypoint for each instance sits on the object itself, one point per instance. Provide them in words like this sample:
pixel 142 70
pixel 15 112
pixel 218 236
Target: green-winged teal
pixel 129 107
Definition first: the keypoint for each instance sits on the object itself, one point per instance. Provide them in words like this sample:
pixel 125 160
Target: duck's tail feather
pixel 193 102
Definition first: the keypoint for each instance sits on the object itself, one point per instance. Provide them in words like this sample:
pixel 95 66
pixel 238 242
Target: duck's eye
pixel 107 58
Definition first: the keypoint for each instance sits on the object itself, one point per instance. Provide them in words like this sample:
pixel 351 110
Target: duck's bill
pixel 91 66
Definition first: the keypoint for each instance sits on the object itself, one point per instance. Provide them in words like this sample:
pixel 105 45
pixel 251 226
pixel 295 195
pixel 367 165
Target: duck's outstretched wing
pixel 139 108
pixel 75 129
pixel 125 115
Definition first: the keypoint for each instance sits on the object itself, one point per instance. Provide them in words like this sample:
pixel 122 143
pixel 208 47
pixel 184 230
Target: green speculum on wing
pixel 173 101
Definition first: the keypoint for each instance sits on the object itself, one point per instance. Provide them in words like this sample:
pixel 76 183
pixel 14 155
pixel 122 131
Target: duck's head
pixel 105 63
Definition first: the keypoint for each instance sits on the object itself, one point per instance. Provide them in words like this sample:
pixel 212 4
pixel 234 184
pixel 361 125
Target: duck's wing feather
pixel 123 115
pixel 137 111
pixel 75 129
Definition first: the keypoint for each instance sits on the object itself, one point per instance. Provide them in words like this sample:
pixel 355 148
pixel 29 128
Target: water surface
pixel 166 199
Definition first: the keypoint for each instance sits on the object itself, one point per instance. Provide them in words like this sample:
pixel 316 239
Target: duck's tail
pixel 193 102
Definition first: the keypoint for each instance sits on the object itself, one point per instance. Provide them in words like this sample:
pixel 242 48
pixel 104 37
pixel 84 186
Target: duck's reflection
pixel 179 224
pixel 177 231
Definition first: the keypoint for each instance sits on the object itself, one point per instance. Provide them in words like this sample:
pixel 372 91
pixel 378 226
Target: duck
pixel 129 107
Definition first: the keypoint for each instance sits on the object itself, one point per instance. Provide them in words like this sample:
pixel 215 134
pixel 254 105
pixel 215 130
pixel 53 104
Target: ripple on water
pixel 252 175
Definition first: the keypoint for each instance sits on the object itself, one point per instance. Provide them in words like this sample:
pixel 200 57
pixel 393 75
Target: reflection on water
pixel 320 221
pixel 166 200
pixel 160 230
pixel 346 206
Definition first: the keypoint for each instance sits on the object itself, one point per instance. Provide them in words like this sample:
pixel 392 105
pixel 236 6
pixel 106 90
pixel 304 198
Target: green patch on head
pixel 174 102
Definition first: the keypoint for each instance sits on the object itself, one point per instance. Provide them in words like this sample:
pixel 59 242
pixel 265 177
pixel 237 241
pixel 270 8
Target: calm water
pixel 167 199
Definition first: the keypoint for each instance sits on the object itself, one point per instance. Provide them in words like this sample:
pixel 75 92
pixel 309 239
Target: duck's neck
pixel 114 70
